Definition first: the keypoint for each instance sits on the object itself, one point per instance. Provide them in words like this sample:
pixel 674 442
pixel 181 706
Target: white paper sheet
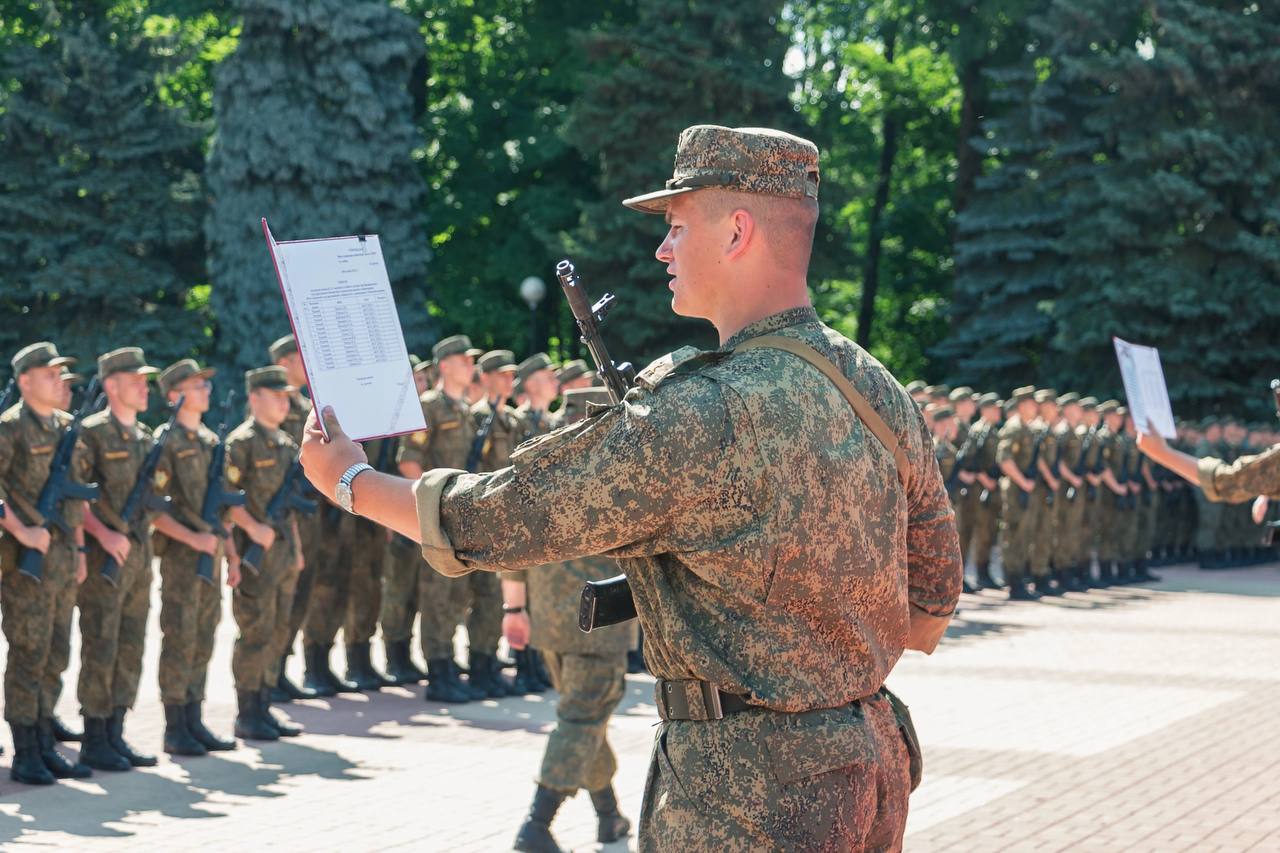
pixel 339 301
pixel 1144 386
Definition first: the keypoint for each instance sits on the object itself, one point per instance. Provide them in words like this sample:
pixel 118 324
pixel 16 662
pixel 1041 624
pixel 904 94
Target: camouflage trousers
pixel 260 605
pixel 1017 531
pixel 189 613
pixel 442 602
pixel 484 619
pixel 365 600
pixel 357 552
pixel 1070 549
pixel 986 527
pixel 37 628
pixel 318 546
pixel 1207 529
pixel 401 568
pixel 578 754
pixel 1044 545
pixel 113 630
pixel 967 517
pixel 834 779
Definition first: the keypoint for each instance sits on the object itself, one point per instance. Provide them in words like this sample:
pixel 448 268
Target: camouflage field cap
pixel 988 399
pixel 572 370
pixel 1068 398
pixel 964 392
pixel 273 378
pixel 180 371
pixel 532 364
pixel 576 400
pixel 915 386
pixel 940 413
pixel 42 354
pixel 125 360
pixel 1046 395
pixel 1026 392
pixel 499 359
pixel 745 159
pixel 282 347
pixel 1108 406
pixel 453 345
pixel 1088 403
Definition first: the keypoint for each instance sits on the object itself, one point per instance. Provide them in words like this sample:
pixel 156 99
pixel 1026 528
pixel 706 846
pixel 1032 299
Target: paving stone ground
pixel 1135 719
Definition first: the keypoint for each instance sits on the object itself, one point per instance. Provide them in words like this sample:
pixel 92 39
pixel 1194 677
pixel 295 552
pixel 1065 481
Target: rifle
pixel 606 602
pixel 286 498
pixel 216 496
pixel 1098 467
pixel 1125 501
pixel 482 438
pixel 6 396
pixel 142 497
pixel 1079 468
pixel 59 486
pixel 1032 473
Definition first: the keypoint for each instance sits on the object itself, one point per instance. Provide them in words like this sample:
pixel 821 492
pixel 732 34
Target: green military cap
pixel 124 360
pixel 532 364
pixel 915 386
pixel 282 347
pixel 964 392
pixel 68 376
pixel 43 354
pixel 1046 395
pixel 1106 407
pixel 937 390
pixel 499 359
pixel 414 361
pixel 423 366
pixel 1205 423
pixel 577 399
pixel 180 371
pixel 940 413
pixel 746 159
pixel 453 345
pixel 572 370
pixel 1089 403
pixel 1121 410
pixel 1068 398
pixel 1026 392
pixel 273 377
pixel 988 399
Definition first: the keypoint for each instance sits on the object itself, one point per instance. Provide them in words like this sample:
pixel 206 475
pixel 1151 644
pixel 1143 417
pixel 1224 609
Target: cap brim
pixel 72 377
pixel 656 202
pixel 475 353
pixel 60 361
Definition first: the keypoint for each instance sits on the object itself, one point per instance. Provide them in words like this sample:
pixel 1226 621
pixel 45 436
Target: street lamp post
pixel 533 290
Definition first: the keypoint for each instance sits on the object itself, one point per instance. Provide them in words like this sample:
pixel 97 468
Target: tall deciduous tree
pixel 315 132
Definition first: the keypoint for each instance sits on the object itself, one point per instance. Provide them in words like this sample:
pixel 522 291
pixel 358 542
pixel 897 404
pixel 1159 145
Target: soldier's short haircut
pixel 788 224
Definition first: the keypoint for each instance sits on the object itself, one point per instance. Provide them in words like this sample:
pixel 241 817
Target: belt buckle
pixel 674 704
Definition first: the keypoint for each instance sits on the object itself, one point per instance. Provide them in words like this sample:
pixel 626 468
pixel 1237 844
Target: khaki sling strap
pixel 868 415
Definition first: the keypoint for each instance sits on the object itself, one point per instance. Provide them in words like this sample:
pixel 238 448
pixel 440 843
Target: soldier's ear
pixel 743 232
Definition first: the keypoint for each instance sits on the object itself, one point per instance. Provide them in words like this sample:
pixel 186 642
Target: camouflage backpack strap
pixel 868 415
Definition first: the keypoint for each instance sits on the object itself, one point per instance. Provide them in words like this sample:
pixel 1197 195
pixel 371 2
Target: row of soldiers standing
pixel 1057 481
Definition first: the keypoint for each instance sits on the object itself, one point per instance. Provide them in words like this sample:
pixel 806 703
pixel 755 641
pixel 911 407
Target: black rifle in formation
pixel 142 498
pixel 59 486
pixel 216 496
pixel 1032 473
pixel 1079 469
pixel 287 497
pixel 993 473
pixel 476 453
pixel 8 394
pixel 606 602
pixel 1125 501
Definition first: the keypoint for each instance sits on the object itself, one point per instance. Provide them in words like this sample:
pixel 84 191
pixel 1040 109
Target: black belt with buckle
pixel 695 700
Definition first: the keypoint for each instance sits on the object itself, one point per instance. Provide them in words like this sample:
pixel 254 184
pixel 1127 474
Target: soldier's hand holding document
pixel 1145 388
pixel 339 301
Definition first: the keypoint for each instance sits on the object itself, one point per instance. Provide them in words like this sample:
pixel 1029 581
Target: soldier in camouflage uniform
pixel 588 671
pixel 775 504
pixel 1068 508
pixel 190 607
pixel 259 453
pixel 1045 497
pixel 980 451
pixel 444 443
pixel 1014 450
pixel 113 614
pixel 1114 493
pixel 36 612
pixel 1244 479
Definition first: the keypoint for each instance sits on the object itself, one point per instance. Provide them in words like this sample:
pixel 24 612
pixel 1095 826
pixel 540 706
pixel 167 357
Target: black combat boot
pixel 470 688
pixel 984 578
pixel 96 750
pixel 613 826
pixel 285 690
pixel 525 682
pixel 63 733
pixel 195 725
pixel 440 686
pixel 283 727
pixel 178 739
pixel 1045 587
pixel 535 833
pixel 56 763
pixel 484 676
pixel 540 669
pixel 1142 574
pixel 360 671
pixel 400 665
pixel 1018 590
pixel 251 723
pixel 115 736
pixel 320 672
pixel 27 767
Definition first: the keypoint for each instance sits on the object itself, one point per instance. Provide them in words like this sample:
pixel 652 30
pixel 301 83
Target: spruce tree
pixel 316 133
pixel 683 62
pixel 99 192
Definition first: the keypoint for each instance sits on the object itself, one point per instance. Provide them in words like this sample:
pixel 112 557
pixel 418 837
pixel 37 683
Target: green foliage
pixel 99 193
pixel 314 133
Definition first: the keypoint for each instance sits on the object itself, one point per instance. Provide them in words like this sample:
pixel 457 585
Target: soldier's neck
pixel 741 312
pixel 38 409
pixel 123 415
pixel 188 420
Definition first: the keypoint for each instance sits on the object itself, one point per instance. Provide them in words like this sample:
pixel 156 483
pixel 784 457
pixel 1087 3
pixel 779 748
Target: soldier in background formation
pixel 1059 482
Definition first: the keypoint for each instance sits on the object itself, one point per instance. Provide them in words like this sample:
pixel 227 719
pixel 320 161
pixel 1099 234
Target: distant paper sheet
pixel 1148 396
pixel 338 298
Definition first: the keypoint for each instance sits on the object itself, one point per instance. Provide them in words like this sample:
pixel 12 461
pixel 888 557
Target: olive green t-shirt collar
pixel 771 324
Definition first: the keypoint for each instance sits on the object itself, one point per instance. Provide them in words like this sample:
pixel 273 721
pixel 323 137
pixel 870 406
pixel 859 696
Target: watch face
pixel 343 494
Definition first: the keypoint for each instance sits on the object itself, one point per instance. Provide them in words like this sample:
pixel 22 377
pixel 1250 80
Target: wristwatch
pixel 343 491
pixel 511 608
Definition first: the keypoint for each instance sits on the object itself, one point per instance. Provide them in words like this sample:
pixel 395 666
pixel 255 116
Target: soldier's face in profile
pixel 128 390
pixel 292 364
pixel 498 383
pixel 42 386
pixel 457 368
pixel 196 390
pixel 269 405
pixel 692 254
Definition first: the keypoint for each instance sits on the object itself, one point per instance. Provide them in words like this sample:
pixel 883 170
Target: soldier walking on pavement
pixel 775 504
pixel 37 612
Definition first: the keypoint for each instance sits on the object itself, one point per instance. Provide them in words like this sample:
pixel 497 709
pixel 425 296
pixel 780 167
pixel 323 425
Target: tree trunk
pixel 875 225
pixel 968 158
